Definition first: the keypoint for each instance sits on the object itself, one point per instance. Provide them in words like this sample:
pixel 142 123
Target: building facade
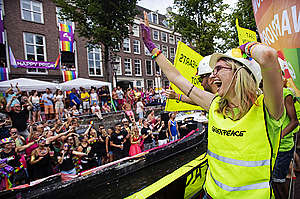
pixel 31 32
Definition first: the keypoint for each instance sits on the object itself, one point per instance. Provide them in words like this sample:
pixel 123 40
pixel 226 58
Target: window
pixel 116 48
pixel 178 39
pixel 155 35
pixel 35 50
pixel 127 66
pixel 136 30
pixel 149 83
pixel 94 61
pixel 157 69
pixel 172 53
pixel 155 18
pixel 136 46
pixel 164 36
pixel 117 62
pixel 158 46
pixel 138 83
pixel 171 39
pixel 148 67
pixel 164 50
pixel 147 51
pixel 137 67
pixel 63 21
pixel 126 45
pixel 32 11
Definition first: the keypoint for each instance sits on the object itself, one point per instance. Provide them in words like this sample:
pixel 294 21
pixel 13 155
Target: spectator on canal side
pixel 10 94
pixel 85 98
pixel 94 97
pixel 47 99
pixel 120 94
pixel 35 99
pixel 114 97
pixel 74 99
pixel 59 104
pixel 104 94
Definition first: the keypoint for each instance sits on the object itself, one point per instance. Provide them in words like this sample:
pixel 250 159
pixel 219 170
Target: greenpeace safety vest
pixel 240 155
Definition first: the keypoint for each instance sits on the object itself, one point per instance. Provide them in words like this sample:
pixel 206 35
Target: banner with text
pixel 186 61
pixel 35 64
pixel 245 35
pixel 278 23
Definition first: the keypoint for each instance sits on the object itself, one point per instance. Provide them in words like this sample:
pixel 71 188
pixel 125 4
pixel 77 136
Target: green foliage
pixel 201 23
pixel 243 11
pixel 100 22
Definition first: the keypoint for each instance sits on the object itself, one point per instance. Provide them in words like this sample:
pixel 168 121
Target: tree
pixel 201 23
pixel 243 11
pixel 103 22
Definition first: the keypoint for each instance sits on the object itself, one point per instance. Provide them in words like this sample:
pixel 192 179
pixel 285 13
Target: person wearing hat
pixel 203 74
pixel 244 125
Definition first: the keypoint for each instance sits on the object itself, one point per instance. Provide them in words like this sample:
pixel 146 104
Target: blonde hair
pixel 245 89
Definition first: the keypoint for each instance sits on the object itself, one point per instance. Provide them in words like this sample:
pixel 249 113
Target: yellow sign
pixel 245 35
pixel 186 61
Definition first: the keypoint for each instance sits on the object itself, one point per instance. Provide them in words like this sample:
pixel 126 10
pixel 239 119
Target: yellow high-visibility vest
pixel 240 155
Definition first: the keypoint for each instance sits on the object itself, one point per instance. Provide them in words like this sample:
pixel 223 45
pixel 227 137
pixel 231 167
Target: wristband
pixel 188 94
pixel 156 54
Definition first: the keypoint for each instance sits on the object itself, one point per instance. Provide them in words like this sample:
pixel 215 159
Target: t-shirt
pixel 59 98
pixel 74 97
pixel 120 94
pixel 85 95
pixel 139 107
pixel 287 142
pixel 105 97
pixel 94 96
pixel 15 101
pixel 47 102
pixel 19 120
pixel 117 138
pixel 146 131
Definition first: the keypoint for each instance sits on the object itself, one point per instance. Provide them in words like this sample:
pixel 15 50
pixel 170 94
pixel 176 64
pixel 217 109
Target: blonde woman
pixel 244 127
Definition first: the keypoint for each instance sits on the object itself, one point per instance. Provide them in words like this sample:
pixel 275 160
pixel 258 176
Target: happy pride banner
pixel 35 64
pixel 186 61
pixel 278 23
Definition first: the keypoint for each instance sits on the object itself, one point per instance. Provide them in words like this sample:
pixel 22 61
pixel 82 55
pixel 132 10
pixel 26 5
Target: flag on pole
pixel 66 37
pixel 3 74
pixel 68 75
pixel 57 63
pixel 245 35
pixel 12 59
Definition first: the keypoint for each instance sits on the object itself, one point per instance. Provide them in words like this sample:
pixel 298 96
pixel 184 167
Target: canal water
pixel 130 184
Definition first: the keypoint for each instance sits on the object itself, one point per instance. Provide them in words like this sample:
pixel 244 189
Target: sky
pixel 161 5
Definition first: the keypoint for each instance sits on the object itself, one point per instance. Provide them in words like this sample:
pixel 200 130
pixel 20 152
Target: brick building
pixel 31 30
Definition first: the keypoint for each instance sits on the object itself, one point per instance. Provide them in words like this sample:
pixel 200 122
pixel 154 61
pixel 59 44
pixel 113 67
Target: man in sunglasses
pixel 19 116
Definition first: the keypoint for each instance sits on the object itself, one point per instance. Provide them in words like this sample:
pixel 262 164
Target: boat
pixel 99 178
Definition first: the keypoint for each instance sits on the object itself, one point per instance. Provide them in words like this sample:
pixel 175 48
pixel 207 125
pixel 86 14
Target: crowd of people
pixel 32 148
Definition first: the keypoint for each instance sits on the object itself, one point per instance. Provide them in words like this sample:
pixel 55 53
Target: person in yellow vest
pixel 244 126
pixel 286 148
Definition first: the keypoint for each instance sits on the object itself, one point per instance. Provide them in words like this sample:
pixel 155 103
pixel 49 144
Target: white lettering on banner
pixel 295 20
pixel 256 4
pixel 274 30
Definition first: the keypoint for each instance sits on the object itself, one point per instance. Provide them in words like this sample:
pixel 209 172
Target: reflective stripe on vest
pixel 239 162
pixel 261 185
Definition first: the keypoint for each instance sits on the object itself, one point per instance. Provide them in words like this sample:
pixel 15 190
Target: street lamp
pixel 115 65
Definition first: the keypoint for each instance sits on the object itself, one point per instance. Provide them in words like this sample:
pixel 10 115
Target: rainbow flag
pixel 66 37
pixel 3 74
pixel 57 63
pixel 69 75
